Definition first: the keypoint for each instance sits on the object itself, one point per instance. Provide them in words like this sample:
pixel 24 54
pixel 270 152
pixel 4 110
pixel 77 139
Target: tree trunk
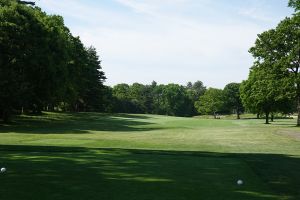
pixel 257 116
pixel 6 116
pixel 298 120
pixel 215 116
pixel 238 113
pixel 272 117
pixel 267 117
pixel 298 87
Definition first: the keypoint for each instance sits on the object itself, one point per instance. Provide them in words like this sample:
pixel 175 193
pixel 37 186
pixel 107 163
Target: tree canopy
pixel 232 98
pixel 295 4
pixel 42 65
pixel 277 56
pixel 212 102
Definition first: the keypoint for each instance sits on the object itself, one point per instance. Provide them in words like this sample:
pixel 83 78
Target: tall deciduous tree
pixel 93 80
pixel 264 92
pixel 232 98
pixel 278 52
pixel 171 99
pixel 175 100
pixel 211 102
pixel 41 64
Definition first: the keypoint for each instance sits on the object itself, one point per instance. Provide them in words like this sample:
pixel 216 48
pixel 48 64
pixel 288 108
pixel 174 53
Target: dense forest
pixel 43 67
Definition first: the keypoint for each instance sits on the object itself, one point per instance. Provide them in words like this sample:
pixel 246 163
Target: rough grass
pixel 100 156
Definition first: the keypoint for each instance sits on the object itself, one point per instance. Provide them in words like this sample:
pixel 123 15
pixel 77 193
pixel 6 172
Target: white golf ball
pixel 240 182
pixel 3 169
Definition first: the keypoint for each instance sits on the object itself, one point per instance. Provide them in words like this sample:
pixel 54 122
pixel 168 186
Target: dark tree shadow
pixel 132 116
pixel 36 172
pixel 284 122
pixel 78 123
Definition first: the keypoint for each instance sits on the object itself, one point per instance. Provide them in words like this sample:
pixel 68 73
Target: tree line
pixel 43 66
pixel 196 99
pixel 173 99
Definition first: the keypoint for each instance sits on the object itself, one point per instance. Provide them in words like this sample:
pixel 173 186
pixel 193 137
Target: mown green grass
pixel 101 156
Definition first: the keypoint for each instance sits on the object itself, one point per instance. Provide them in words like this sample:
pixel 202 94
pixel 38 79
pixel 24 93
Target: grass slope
pixel 100 156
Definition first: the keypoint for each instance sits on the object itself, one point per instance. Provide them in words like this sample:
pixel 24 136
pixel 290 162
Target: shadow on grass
pixel 77 123
pixel 36 172
pixel 284 122
pixel 287 122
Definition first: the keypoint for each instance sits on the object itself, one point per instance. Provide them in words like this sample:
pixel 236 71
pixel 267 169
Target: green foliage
pixel 175 101
pixel 263 93
pixel 277 54
pixel 198 89
pixel 93 78
pixel 295 4
pixel 194 91
pixel 121 92
pixel 212 102
pixel 232 98
pixel 141 97
pixel 169 99
pixel 42 66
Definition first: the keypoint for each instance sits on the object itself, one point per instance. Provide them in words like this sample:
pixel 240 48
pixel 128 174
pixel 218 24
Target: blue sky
pixel 171 41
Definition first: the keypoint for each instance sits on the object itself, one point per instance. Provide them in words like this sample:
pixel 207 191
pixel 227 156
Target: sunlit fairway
pixel 124 156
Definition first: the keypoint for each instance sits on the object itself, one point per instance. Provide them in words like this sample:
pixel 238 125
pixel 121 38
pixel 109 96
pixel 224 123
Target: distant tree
pixel 139 97
pixel 175 100
pixel 232 98
pixel 121 91
pixel 109 101
pixel 195 90
pixel 211 102
pixel 157 92
pixel 122 94
pixel 199 88
pixel 153 84
pixel 189 85
pixel 148 99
